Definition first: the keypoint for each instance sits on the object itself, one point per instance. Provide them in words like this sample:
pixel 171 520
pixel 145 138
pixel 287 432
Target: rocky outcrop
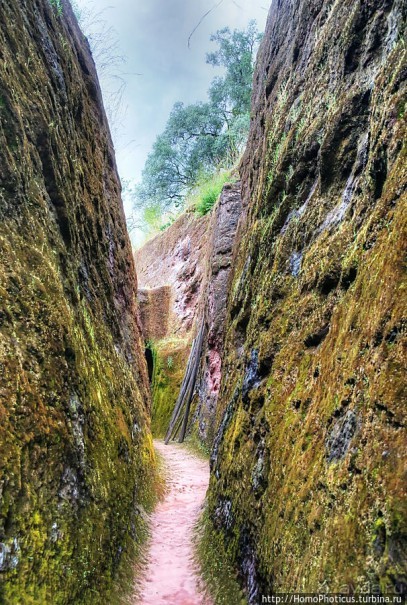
pixel 171 269
pixel 222 230
pixel 176 258
pixel 307 489
pixel 192 259
pixel 154 307
pixel 74 396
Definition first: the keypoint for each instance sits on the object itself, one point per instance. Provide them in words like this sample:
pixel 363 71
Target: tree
pixel 199 138
pixel 235 53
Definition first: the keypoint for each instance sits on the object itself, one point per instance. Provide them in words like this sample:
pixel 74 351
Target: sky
pixel 159 67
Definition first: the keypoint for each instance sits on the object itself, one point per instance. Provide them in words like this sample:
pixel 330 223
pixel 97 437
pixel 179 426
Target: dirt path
pixel 171 576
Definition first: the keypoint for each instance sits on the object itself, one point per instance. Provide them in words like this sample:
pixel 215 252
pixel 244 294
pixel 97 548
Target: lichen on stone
pixel 73 380
pixel 310 454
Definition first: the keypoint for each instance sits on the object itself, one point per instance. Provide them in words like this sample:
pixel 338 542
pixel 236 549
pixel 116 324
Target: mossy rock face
pixel 171 269
pixel 76 457
pixel 222 228
pixel 307 486
pixel 170 360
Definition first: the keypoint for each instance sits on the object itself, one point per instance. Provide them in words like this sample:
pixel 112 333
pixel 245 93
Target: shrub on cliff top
pixel 208 192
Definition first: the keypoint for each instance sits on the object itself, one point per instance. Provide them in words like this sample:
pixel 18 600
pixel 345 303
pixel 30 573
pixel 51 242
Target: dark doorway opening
pixel 150 363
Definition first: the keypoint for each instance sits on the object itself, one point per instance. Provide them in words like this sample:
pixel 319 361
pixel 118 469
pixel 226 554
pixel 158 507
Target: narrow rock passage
pixel 171 575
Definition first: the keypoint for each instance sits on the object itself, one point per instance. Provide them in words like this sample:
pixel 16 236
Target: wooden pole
pixel 181 397
pixel 187 389
pixel 193 382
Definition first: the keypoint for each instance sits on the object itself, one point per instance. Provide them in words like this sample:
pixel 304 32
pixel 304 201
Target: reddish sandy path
pixel 171 577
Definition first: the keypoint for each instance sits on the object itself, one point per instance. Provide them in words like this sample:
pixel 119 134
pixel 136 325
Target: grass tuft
pixel 197 447
pixel 208 192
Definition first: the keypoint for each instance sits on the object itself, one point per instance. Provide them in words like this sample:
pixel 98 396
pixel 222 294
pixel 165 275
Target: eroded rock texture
pixel 190 263
pixel 171 270
pixel 176 259
pixel 155 312
pixel 74 398
pixel 308 485
pixel 222 230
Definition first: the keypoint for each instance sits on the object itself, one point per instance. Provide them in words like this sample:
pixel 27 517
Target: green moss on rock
pixel 308 462
pixel 171 357
pixel 76 456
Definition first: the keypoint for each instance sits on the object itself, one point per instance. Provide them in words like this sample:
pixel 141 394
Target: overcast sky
pixel 160 69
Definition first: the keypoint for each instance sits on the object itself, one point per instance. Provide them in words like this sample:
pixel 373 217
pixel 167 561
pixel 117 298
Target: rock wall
pixel 192 259
pixel 154 307
pixel 171 266
pixel 175 258
pixel 76 457
pixel 308 466
pixel 222 230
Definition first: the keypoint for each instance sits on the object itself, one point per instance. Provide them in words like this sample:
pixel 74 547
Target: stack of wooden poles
pixel 180 415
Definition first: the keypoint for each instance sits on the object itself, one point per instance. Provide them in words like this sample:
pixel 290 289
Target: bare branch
pixel 202 19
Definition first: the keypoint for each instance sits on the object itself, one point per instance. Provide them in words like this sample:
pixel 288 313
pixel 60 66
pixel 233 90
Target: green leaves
pixel 208 192
pixel 200 138
pixel 235 53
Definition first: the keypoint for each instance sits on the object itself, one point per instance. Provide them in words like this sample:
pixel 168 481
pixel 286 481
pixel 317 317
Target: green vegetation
pixel 118 462
pixel 170 358
pixel 195 445
pixel 77 463
pixel 217 571
pixel 208 192
pixel 202 199
pixel 153 220
pixel 316 520
pixel 202 138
